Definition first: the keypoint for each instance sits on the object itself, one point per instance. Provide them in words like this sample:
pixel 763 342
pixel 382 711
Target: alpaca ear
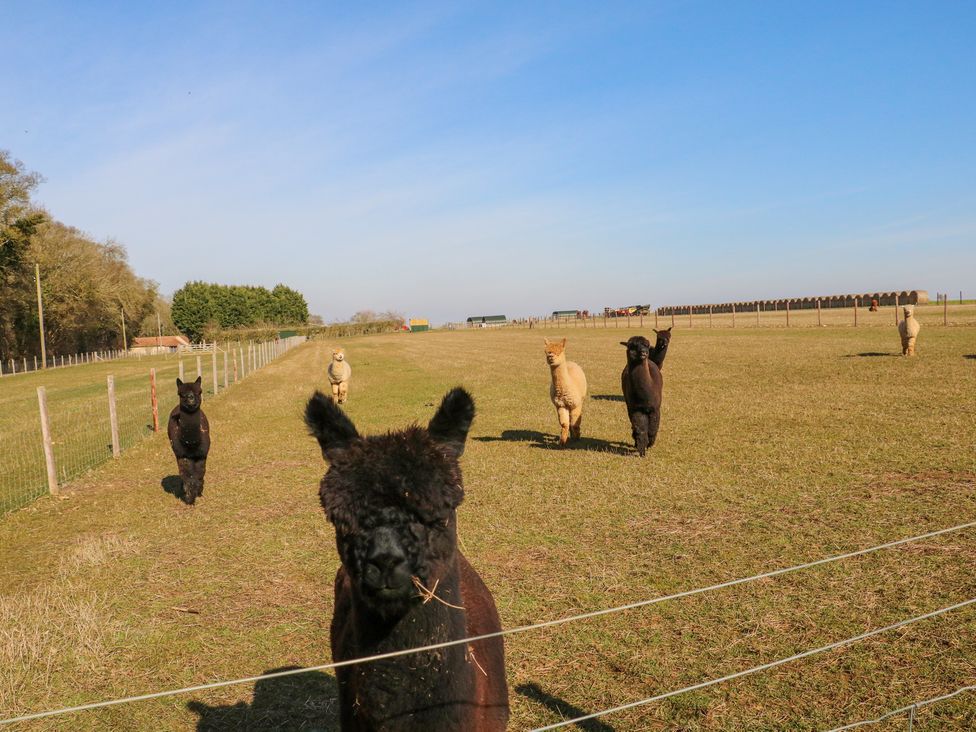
pixel 564 342
pixel 623 343
pixel 329 425
pixel 179 382
pixel 669 329
pixel 546 340
pixel 450 425
pixel 198 381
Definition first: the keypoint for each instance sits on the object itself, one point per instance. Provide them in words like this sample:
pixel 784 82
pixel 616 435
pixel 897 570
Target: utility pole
pixel 125 344
pixel 40 313
pixel 159 332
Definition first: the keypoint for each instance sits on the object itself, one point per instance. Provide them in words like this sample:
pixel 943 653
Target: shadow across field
pixel 173 485
pixel 563 709
pixel 551 442
pixel 308 701
pixel 870 354
pixel 970 356
pixel 608 397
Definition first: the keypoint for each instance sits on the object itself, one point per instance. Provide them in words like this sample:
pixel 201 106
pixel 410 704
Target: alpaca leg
pixel 335 393
pixel 575 422
pixel 910 349
pixel 201 471
pixel 638 425
pixel 343 391
pixel 563 415
pixel 904 345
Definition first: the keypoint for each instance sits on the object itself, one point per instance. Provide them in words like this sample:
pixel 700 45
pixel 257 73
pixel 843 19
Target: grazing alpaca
pixel 642 385
pixel 908 329
pixel 661 347
pixel 339 373
pixel 189 435
pixel 567 391
pixel 403 582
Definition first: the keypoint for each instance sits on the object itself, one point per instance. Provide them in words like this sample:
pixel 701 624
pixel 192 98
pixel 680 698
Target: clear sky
pixel 459 159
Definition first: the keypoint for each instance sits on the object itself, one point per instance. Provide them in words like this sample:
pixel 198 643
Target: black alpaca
pixel 403 583
pixel 642 385
pixel 661 347
pixel 189 434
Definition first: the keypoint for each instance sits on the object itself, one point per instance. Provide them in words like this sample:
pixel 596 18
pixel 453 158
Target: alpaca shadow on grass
pixel 541 440
pixel 173 485
pixel 870 354
pixel 308 701
pixel 607 397
pixel 563 709
pixel 970 356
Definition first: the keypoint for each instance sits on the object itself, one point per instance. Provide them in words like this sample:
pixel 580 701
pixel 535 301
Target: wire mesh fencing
pixel 52 437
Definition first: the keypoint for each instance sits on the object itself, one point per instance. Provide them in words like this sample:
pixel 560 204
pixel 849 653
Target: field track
pixel 777 447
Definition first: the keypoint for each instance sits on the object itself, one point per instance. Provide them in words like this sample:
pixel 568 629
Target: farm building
pixel 418 325
pixel 486 321
pixel 557 314
pixel 149 345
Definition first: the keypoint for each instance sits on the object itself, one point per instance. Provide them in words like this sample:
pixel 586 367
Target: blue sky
pixel 454 159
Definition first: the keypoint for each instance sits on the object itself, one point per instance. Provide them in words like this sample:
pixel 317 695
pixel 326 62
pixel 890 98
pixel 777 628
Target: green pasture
pixel 778 446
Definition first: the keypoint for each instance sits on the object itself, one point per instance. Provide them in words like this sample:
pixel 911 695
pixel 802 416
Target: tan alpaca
pixel 908 329
pixel 339 373
pixel 567 391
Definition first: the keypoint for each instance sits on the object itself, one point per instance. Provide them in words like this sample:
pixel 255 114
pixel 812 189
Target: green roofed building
pixel 565 313
pixel 485 321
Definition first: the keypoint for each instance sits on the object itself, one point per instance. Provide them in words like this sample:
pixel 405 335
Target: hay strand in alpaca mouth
pixel 430 594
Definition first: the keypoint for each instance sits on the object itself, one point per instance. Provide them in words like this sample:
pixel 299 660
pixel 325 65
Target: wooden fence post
pixel 709 316
pixel 690 324
pixel 672 317
pixel 855 312
pixel 787 313
pixel 113 417
pixel 155 399
pixel 945 309
pixel 758 304
pixel 733 315
pixel 896 308
pixel 199 367
pixel 182 376
pixel 655 318
pixel 819 324
pixel 226 375
pixel 52 471
pixel 213 368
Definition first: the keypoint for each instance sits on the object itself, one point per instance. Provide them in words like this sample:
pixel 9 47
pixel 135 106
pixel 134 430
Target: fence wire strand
pixel 536 626
pixel 757 669
pixel 906 709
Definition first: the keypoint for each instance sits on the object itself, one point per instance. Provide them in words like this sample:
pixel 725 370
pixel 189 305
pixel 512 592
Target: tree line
pixel 87 287
pixel 201 309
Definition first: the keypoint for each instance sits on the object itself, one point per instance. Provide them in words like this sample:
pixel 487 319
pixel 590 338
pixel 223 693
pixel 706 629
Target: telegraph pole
pixel 40 313
pixel 159 332
pixel 125 345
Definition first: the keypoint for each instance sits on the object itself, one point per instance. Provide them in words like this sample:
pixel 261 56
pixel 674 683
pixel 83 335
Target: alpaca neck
pixel 560 373
pixel 191 427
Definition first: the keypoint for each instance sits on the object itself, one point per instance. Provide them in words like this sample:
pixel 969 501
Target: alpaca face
pixel 638 349
pixel 191 394
pixel 663 338
pixel 392 499
pixel 338 355
pixel 555 352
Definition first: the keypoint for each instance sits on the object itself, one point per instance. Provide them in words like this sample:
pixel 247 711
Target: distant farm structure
pixel 417 325
pixel 626 311
pixel 152 345
pixel 570 314
pixel 905 297
pixel 486 321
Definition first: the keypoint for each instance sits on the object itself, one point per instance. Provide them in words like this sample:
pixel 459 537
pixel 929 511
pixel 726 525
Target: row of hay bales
pixel 905 297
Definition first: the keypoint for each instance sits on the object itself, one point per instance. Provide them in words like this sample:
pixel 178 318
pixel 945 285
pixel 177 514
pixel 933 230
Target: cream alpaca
pixel 908 329
pixel 339 373
pixel 567 391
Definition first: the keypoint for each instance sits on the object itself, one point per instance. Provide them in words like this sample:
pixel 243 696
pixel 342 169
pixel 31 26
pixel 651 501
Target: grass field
pixel 777 447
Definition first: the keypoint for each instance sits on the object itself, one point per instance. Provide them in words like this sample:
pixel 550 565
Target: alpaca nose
pixel 386 562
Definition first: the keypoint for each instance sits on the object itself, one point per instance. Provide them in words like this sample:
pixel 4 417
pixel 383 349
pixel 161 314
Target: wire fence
pixel 550 623
pixel 22 365
pixel 911 710
pixel 81 431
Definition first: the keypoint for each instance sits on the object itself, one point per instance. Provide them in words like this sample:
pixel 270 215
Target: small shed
pixel 486 321
pixel 149 345
pixel 418 325
pixel 566 314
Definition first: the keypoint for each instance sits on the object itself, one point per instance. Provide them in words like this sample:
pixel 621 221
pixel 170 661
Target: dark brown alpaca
pixel 660 349
pixel 189 436
pixel 643 386
pixel 403 582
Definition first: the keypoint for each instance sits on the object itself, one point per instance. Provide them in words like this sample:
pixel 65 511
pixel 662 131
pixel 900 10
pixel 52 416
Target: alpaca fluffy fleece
pixel 339 372
pixel 908 330
pixel 567 391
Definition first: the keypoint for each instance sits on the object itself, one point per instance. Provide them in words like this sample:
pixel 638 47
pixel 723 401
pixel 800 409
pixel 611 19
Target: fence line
pixel 910 709
pixel 78 435
pixel 762 667
pixel 536 626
